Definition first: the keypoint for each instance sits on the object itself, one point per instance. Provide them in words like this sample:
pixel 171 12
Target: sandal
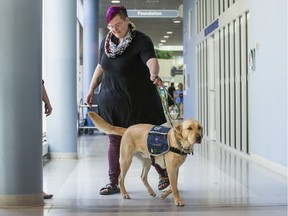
pixel 109 189
pixel 163 181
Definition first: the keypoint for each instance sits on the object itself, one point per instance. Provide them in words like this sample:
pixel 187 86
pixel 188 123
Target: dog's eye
pixel 189 128
pixel 199 128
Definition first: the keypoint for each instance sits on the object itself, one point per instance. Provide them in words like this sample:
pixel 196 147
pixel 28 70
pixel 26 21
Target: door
pixel 211 88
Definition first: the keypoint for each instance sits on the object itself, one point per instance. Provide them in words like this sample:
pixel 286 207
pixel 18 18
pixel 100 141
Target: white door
pixel 211 88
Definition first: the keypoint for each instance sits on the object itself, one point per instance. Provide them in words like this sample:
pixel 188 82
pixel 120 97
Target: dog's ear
pixel 200 128
pixel 178 132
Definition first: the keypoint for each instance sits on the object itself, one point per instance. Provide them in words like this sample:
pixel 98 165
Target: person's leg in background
pixel 180 111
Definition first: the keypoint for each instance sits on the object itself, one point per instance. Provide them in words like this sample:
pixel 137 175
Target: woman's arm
pixel 153 66
pixel 96 80
pixel 47 105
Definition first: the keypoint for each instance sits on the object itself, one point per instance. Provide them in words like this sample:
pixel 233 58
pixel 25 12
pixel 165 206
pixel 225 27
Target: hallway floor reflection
pixel 214 181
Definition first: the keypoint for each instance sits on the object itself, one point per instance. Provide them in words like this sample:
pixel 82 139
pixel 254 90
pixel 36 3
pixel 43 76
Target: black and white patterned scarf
pixel 113 50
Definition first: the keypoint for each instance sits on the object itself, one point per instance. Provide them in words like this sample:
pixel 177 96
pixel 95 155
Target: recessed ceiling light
pixel 162 41
pixel 177 21
pixel 169 32
pixel 166 36
pixel 115 1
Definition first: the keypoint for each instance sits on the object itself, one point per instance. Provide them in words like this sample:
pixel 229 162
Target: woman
pixel 128 71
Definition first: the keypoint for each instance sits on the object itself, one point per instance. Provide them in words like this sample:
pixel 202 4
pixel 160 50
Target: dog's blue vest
pixel 157 141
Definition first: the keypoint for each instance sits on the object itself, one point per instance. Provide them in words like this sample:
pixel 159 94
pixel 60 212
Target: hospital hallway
pixel 213 181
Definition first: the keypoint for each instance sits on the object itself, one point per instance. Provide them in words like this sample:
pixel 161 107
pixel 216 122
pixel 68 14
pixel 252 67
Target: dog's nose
pixel 199 138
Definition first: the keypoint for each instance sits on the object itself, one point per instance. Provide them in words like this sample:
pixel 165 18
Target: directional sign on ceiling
pixel 153 13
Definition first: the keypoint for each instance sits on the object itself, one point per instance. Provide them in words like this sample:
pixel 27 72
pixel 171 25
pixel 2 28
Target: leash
pixel 166 95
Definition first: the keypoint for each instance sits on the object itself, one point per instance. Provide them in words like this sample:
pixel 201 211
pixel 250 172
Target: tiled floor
pixel 213 181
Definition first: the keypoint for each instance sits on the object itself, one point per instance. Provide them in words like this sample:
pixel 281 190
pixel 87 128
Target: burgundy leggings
pixel 113 159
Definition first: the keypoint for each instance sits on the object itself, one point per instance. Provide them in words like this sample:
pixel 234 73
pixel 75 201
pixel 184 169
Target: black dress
pixel 127 95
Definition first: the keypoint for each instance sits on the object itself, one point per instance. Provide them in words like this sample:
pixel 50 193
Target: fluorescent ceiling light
pixel 115 1
pixel 152 1
pixel 169 32
pixel 162 41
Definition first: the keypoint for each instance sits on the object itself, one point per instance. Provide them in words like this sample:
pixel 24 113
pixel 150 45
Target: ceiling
pixel 155 28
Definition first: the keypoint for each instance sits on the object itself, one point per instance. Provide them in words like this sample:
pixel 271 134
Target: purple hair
pixel 115 10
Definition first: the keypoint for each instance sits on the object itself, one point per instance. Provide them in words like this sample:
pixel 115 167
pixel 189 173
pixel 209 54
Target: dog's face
pixel 190 130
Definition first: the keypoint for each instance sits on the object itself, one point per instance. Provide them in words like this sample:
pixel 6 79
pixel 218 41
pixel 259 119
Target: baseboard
pixel 18 201
pixel 270 164
pixel 72 155
pixel 257 159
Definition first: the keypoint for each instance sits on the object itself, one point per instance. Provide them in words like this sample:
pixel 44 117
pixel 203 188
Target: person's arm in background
pixel 47 105
pixel 176 94
pixel 96 80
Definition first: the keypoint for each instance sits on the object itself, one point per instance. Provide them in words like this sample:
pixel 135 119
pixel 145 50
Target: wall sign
pixel 211 27
pixel 153 13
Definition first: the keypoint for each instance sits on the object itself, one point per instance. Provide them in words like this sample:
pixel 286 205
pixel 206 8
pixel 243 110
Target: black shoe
pixel 47 196
pixel 109 189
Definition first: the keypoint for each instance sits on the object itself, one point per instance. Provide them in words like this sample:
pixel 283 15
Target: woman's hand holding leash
pixel 157 81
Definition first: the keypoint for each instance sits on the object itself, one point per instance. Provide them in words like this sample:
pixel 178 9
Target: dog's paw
pixel 179 203
pixel 126 196
pixel 166 193
pixel 151 192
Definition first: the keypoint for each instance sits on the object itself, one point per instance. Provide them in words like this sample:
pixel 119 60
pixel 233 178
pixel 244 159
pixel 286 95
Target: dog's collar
pixel 184 150
pixel 178 151
pixel 181 151
pixel 180 144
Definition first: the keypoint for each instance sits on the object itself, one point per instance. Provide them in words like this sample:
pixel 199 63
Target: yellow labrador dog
pixel 134 143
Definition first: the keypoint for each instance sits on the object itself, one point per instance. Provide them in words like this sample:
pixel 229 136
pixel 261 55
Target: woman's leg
pixel 163 176
pixel 114 167
pixel 113 158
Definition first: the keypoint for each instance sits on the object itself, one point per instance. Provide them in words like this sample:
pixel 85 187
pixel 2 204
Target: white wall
pixel 165 71
pixel 189 56
pixel 268 83
pixel 165 68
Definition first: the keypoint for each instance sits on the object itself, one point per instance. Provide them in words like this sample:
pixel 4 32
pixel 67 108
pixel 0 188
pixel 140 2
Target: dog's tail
pixel 104 126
